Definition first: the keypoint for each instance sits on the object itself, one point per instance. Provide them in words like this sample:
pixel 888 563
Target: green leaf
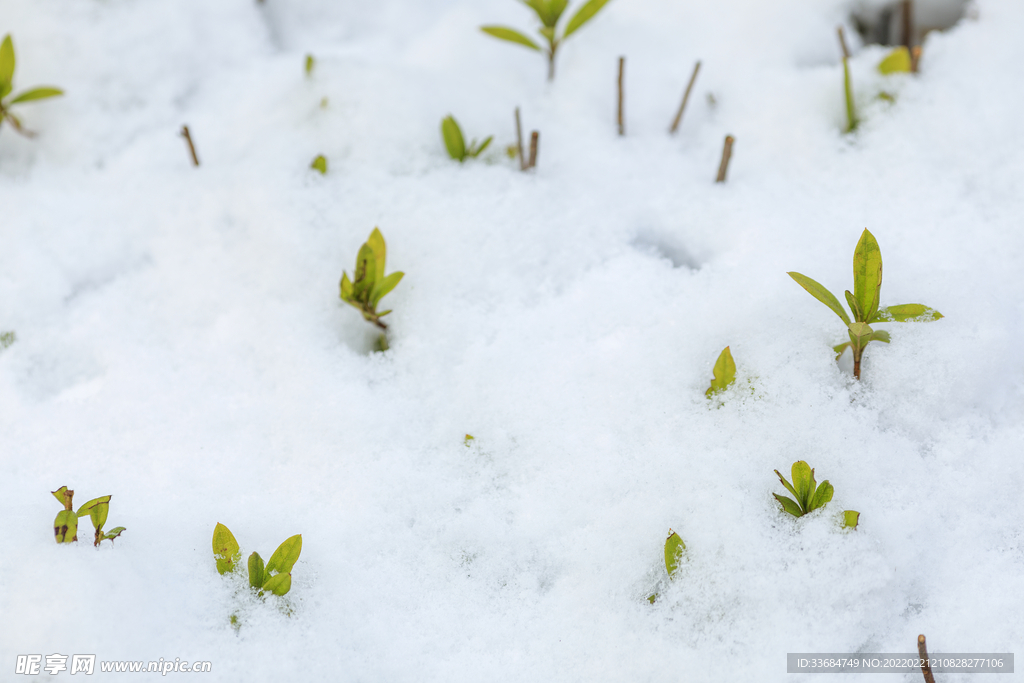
pixel 803 482
pixel 279 584
pixel 310 64
pixel 475 151
pixel 7 338
pixel 97 509
pixel 385 286
pixel 346 288
pixel 453 140
pixel 557 7
pixel 585 14
pixel 114 533
pixel 789 505
pixel 380 252
pixel 789 487
pixel 65 526
pixel 840 348
pixel 284 558
pixel 673 547
pixel 225 549
pixel 821 294
pixel 6 65
pixel 907 312
pixel 867 275
pixel 724 371
pixel 860 334
pixel 59 494
pixel 897 61
pixel 320 164
pixel 36 94
pixel 851 518
pixel 510 35
pixel 256 578
pixel 880 335
pixel 851 111
pixel 822 495
pixel 854 305
pixel 365 275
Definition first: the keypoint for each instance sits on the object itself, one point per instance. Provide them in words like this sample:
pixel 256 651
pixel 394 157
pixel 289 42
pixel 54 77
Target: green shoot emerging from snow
pixel 370 284
pixel 7 85
pixel 97 510
pixel 863 302
pixel 320 164
pixel 6 339
pixel 897 61
pixel 549 12
pixel 456 143
pixel 65 526
pixel 273 577
pixel 809 496
pixel 674 548
pixel 725 373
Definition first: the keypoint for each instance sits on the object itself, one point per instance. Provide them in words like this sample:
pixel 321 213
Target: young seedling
pixel 851 113
pixel 897 61
pixel 7 338
pixel 725 373
pixel 97 510
pixel 7 63
pixel 809 496
pixel 549 12
pixel 456 144
pixel 65 525
pixel 273 577
pixel 320 164
pixel 370 284
pixel 674 548
pixel 310 64
pixel 863 302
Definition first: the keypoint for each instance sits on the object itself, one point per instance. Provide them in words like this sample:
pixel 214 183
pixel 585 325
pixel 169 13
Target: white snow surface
pixel 182 347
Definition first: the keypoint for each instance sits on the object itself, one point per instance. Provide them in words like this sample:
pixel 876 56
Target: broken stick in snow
pixel 723 168
pixel 926 667
pixel 622 68
pixel 191 147
pixel 686 98
pixel 534 138
pixel 519 142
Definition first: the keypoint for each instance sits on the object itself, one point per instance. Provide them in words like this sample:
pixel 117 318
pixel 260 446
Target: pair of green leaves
pixel 65 526
pixel 809 495
pixel 456 143
pixel 864 301
pixel 369 284
pixel 549 12
pixel 674 548
pixel 7 63
pixel 273 577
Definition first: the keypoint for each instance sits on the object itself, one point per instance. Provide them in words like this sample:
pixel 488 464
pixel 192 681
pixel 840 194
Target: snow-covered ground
pixel 181 345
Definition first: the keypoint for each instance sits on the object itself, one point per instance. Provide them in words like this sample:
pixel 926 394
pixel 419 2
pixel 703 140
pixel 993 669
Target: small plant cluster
pixel 369 284
pixel 7 63
pixel 548 12
pixel 7 339
pixel 65 525
pixel 274 577
pixel 455 143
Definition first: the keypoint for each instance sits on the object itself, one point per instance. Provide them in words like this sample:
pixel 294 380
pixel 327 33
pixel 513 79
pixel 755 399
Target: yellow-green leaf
pixel 114 533
pixel 380 252
pixel 840 348
pixel 673 547
pixel 320 164
pixel 789 505
pixel 279 584
pixel 284 558
pixel 59 494
pixel 225 549
pixel 585 14
pixel 346 288
pixel 725 373
pixel 453 140
pixel 867 275
pixel 897 61
pixel 310 64
pixel 821 294
pixel 511 35
pixel 789 487
pixel 97 509
pixel 880 335
pixel 822 495
pixel 6 65
pixel 851 518
pixel 907 312
pixel 803 482
pixel 851 111
pixel 256 571
pixel 36 94
pixel 385 286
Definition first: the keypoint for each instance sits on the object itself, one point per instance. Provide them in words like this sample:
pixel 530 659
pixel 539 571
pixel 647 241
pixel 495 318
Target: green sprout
pixel 273 577
pixel 863 302
pixel 310 64
pixel 370 284
pixel 724 373
pixel 7 338
pixel 897 61
pixel 809 495
pixel 7 63
pixel 549 12
pixel 97 510
pixel 851 112
pixel 65 526
pixel 320 164
pixel 674 548
pixel 456 144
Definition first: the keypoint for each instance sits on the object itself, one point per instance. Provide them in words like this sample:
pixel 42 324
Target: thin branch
pixel 926 667
pixel 686 98
pixel 191 147
pixel 842 42
pixel 518 141
pixel 723 168
pixel 534 141
pixel 622 70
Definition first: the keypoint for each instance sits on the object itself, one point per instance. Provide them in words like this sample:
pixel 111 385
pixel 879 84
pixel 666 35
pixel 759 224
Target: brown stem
pixel 842 42
pixel 534 142
pixel 915 58
pixel 519 142
pixel 857 355
pixel 926 667
pixel 723 167
pixel 908 24
pixel 191 147
pixel 686 98
pixel 68 496
pixel 551 61
pixel 622 70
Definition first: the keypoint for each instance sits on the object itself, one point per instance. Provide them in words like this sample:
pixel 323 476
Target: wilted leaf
pixel 285 556
pixel 59 494
pixel 36 94
pixel 821 294
pixel 867 275
pixel 724 373
pixel 225 549
pixel 897 61
pixel 453 140
pixel 673 547
pixel 585 14
pixel 510 35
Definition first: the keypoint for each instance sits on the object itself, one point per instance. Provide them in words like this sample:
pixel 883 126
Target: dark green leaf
pixel 724 373
pixel 821 294
pixel 867 275
pixel 284 558
pixel 510 35
pixel 585 14
pixel 789 505
pixel 256 571
pixel 453 140
pixel 36 94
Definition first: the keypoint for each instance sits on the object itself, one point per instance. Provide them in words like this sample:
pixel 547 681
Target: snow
pixel 181 345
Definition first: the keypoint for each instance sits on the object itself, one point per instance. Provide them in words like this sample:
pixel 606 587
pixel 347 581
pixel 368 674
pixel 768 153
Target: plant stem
pixel 926 667
pixel 723 167
pixel 857 354
pixel 622 70
pixel 551 60
pixel 908 25
pixel 686 98
pixel 519 142
pixel 534 140
pixel 842 42
pixel 191 147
